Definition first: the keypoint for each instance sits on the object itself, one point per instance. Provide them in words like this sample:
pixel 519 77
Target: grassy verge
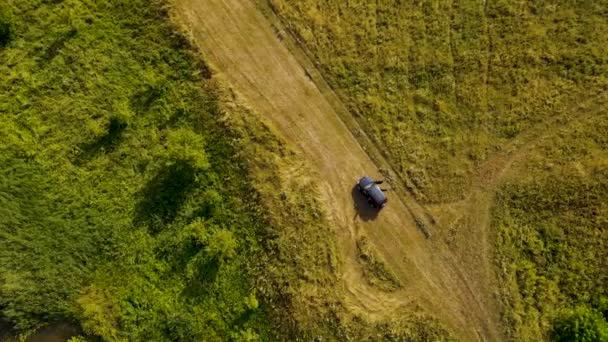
pixel 299 268
pixel 551 220
pixel 374 269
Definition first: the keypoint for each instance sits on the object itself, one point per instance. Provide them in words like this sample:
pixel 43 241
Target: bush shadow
pixel 105 143
pixel 201 283
pixel 144 99
pixel 363 210
pixel 164 195
pixel 6 30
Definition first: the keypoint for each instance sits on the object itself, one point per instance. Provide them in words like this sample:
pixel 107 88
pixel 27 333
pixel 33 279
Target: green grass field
pixel 125 207
pixel 444 86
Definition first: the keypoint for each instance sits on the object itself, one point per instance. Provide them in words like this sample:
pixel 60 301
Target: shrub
pixel 6 27
pixel 581 324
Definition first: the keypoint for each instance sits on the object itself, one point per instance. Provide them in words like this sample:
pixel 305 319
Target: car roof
pixel 377 195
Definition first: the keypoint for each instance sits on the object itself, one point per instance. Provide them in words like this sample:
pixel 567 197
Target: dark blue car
pixel 370 189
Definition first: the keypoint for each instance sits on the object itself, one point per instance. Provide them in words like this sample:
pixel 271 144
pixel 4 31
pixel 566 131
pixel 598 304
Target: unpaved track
pixel 240 43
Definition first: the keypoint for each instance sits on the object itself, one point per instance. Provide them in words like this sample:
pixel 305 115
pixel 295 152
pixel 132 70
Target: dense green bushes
pixel 124 206
pixel 581 324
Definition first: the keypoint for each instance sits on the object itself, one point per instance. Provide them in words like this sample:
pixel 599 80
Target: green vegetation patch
pixel 124 205
pixel 407 324
pixel 583 324
pixel 375 270
pixel 552 226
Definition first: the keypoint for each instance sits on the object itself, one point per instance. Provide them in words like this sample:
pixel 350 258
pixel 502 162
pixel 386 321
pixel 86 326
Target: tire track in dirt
pixel 238 41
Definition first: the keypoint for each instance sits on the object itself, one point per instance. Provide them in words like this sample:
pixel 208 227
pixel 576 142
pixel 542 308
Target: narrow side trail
pixel 474 212
pixel 239 42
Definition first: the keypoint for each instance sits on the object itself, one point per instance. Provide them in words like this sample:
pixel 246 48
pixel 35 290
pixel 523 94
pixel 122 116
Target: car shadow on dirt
pixel 363 210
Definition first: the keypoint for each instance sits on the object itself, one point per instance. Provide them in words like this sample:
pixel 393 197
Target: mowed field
pixel 240 43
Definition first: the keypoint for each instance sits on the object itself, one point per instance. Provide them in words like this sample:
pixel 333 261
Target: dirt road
pixel 239 42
